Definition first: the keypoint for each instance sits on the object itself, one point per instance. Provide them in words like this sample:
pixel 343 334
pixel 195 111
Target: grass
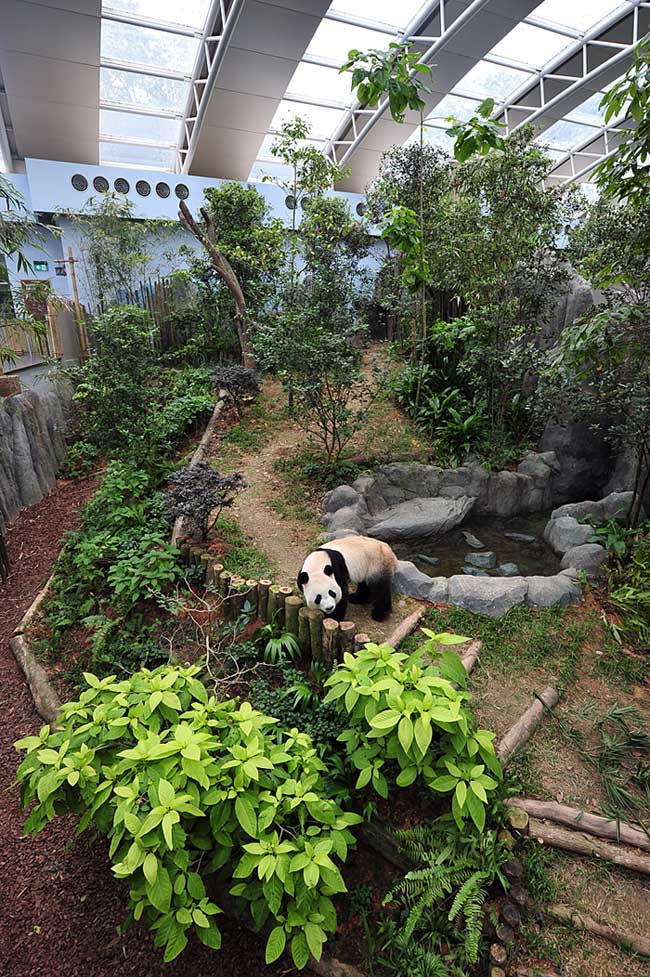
pixel 243 557
pixel 538 862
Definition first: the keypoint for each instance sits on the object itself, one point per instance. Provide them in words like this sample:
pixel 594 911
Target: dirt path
pixel 61 906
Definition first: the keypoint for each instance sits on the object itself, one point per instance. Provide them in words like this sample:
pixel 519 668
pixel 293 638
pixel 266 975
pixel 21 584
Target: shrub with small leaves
pixel 185 786
pixel 201 493
pixel 240 381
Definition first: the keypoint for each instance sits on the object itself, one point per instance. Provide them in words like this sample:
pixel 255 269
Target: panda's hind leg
pixel 381 598
pixel 362 594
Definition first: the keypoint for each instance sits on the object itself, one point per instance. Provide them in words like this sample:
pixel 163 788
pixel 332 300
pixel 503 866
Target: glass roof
pixel 530 45
pixel 333 40
pixel 566 134
pixel 142 91
pixel 153 48
pixel 156 157
pixel 387 12
pixel 461 108
pixel 488 79
pixel 323 120
pixel 132 126
pixel 579 15
pixel 191 13
pixel 315 81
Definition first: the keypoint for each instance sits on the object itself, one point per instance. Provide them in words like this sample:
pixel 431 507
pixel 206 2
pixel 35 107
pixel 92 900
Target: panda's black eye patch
pixel 332 594
pixel 317 601
pixel 328 570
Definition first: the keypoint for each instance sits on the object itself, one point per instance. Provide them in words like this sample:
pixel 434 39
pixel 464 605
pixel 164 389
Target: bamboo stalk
pixel 347 631
pixel 632 942
pixel 518 734
pixel 263 599
pixel 280 601
pixel 583 844
pixel 592 824
pixel 272 606
pixel 292 607
pixel 330 635
pixel 316 634
pixel 303 629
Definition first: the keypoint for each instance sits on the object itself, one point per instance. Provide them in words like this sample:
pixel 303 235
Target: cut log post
pixel 224 583
pixel 518 734
pixel 360 639
pixel 592 824
pixel 280 600
pixel 184 550
pixel 470 655
pixel 237 597
pixel 408 625
pixel 303 629
pixel 632 942
pixel 212 578
pixel 582 844
pixel 263 599
pixel 386 846
pixel 292 606
pixel 195 555
pixel 316 634
pixel 251 596
pixel 272 606
pixel 330 641
pixel 205 563
pixel 347 630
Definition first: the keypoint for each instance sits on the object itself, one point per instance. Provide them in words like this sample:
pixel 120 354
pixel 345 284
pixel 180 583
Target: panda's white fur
pixel 369 563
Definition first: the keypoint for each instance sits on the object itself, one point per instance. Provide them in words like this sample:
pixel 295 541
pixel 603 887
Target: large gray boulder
pixel 398 483
pixel 589 558
pixel 614 505
pixel 411 582
pixel 492 596
pixel 564 533
pixel 348 517
pixel 558 589
pixel 340 497
pixel 421 519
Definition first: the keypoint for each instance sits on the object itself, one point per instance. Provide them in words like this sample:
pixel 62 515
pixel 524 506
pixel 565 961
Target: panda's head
pixel 322 580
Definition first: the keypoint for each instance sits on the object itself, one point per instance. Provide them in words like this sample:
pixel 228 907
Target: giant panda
pixel 327 572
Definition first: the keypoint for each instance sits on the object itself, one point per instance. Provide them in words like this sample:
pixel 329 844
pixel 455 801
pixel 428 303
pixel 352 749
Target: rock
pixel 566 532
pixel 362 484
pixel 578 510
pixel 421 519
pixel 616 505
pixel 584 459
pixel 468 480
pixel 475 572
pixel 411 582
pixel 339 534
pixel 521 537
pixel 514 869
pixel 492 596
pixel 588 558
pixel 547 591
pixel 535 466
pixel 340 497
pixel 472 540
pixel 503 495
pixel 433 561
pixel 507 570
pixel 510 915
pixel 439 590
pixel 347 518
pixel 394 484
pixel 483 560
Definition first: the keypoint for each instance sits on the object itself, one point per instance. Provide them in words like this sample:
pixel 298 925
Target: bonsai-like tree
pixel 201 493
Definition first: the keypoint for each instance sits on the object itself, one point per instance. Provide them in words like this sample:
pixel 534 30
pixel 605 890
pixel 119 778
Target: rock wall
pixel 32 447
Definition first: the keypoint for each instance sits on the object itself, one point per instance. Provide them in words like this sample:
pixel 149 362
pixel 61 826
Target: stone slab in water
pixel 421 519
pixel 521 537
pixel 486 561
pixel 475 572
pixel 472 541
pixel 433 561
pixel 507 570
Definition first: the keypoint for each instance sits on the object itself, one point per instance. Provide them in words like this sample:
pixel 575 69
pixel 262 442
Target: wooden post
pixel 346 643
pixel 78 314
pixel 330 641
pixel 251 596
pixel 263 599
pixel 55 332
pixel 224 583
pixel 237 597
pixel 195 555
pixel 205 563
pixel 292 607
pixel 360 640
pixel 272 606
pixel 280 600
pixel 303 629
pixel 214 572
pixel 316 634
pixel 184 551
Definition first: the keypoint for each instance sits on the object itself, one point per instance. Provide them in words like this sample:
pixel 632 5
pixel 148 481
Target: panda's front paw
pixel 379 615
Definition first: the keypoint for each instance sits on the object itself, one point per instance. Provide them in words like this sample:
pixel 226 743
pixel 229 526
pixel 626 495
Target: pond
pixel 530 554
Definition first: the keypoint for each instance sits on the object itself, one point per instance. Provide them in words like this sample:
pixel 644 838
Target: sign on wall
pixel 41 266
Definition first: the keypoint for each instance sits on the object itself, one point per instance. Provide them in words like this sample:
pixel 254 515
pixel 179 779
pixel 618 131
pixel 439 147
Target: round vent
pixel 79 182
pixel 304 203
pixel 361 208
pixel 122 185
pixel 100 184
pixel 290 202
pixel 143 188
pixel 181 191
pixel 162 190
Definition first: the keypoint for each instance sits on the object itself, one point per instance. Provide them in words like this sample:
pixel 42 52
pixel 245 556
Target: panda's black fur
pixel 370 564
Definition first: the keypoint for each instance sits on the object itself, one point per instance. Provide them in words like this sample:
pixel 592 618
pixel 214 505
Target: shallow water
pixel 451 549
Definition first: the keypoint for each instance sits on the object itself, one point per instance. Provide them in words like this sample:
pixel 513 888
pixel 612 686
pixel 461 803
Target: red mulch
pixel 61 907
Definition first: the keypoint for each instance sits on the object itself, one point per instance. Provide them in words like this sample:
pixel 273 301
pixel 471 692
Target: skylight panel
pixel 461 108
pixel 588 111
pixel 264 152
pixel 156 157
pixel 530 45
pixel 130 88
pixel 128 125
pixel 143 45
pixel 565 135
pixel 433 136
pixel 580 15
pixel 191 13
pixel 487 79
pixel 388 12
pixel 275 170
pixel 323 121
pixel 333 40
pixel 314 81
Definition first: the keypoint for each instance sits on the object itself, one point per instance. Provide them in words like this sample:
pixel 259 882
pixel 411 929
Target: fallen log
pixel 408 625
pixel 582 844
pixel 471 655
pixel 518 734
pixel 386 846
pixel 46 700
pixel 574 817
pixel 632 942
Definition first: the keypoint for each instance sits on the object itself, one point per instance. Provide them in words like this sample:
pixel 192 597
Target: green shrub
pixel 403 710
pixel 185 786
pixel 80 460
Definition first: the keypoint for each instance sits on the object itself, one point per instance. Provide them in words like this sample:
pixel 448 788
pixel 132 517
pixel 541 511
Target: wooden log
pixel 518 819
pixel 330 641
pixel 632 942
pixel 292 606
pixel 195 555
pixel 471 655
pixel 28 617
pixel 263 599
pixel 212 575
pixel 498 954
pixel 46 700
pixel 568 839
pixel 224 583
pixel 280 600
pixel 205 563
pixel 408 625
pixel 272 606
pixel 347 631
pixel 592 824
pixel 184 551
pixel 303 629
pixel 238 597
pixel 360 639
pixel 316 634
pixel 518 734
pixel 251 597
pixel 386 846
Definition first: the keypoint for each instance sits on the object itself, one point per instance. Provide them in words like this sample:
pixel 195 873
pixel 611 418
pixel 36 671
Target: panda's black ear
pixel 302 579
pixel 328 570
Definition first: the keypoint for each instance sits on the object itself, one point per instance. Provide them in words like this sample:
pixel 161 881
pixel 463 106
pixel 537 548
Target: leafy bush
pixel 185 786
pixel 240 381
pixel 199 491
pixel 80 460
pixel 146 570
pixel 629 593
pixel 403 710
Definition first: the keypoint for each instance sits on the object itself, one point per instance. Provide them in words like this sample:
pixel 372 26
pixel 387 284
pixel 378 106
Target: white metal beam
pixel 582 149
pixel 5 149
pixel 220 23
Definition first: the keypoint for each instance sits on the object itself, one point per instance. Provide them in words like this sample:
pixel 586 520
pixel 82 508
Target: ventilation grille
pixel 79 182
pixel 361 208
pixel 181 191
pixel 162 189
pixel 101 184
pixel 290 202
pixel 122 185
pixel 143 188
